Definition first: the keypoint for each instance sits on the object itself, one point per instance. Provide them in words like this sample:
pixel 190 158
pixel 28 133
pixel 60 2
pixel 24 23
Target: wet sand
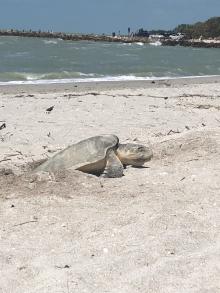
pixel 107 85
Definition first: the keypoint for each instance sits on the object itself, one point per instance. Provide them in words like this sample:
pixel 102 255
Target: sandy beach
pixel 155 230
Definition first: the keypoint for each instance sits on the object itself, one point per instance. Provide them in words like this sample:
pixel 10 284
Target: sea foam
pixel 98 79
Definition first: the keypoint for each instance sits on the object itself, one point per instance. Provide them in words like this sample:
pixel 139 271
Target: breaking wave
pixel 50 42
pixel 87 78
pixel 24 76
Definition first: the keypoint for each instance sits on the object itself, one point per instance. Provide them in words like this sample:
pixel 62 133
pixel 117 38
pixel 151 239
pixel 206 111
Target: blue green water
pixel 31 60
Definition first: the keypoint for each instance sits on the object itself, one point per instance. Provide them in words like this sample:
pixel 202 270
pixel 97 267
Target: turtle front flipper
pixel 114 167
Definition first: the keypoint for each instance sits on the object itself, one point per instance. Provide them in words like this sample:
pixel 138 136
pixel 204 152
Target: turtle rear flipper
pixel 114 167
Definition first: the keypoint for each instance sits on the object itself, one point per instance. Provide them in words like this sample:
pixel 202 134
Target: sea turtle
pixel 102 155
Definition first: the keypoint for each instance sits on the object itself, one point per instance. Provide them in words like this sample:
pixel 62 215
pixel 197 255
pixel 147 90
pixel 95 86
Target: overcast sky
pixel 103 16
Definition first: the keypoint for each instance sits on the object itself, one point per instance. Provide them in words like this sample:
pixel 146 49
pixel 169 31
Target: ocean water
pixel 32 60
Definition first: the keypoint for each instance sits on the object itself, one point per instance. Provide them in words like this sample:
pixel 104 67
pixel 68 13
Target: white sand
pixel 154 230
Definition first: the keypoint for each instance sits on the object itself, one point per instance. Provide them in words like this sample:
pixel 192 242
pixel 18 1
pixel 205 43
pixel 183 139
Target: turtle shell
pixel 88 155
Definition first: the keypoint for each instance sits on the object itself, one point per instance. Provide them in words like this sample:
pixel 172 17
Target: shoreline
pixel 109 85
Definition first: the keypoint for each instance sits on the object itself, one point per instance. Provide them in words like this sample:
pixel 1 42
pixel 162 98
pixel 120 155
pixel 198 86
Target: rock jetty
pixel 192 43
pixel 74 37
pixel 166 41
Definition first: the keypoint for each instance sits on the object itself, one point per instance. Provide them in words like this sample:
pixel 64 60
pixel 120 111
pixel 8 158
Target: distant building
pixel 176 37
pixel 156 37
pixel 142 33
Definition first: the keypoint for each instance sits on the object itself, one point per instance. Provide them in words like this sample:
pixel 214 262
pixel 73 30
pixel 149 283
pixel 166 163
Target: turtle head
pixel 134 154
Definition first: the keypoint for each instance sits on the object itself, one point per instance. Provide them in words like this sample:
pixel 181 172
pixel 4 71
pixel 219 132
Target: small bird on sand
pixel 48 110
pixel 3 126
